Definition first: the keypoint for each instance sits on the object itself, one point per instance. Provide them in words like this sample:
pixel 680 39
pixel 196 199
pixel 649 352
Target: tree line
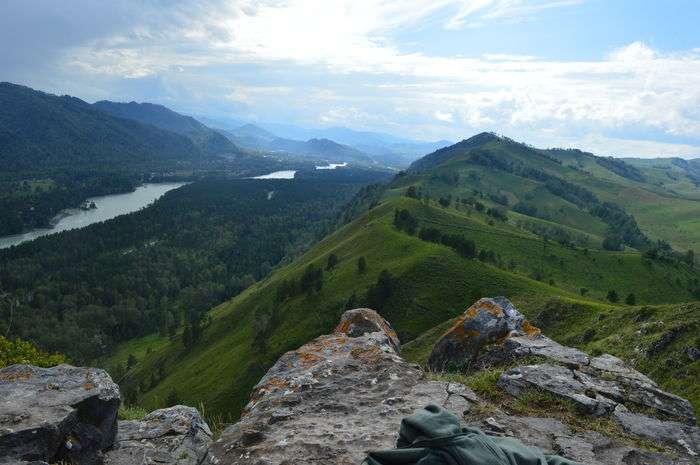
pixel 160 269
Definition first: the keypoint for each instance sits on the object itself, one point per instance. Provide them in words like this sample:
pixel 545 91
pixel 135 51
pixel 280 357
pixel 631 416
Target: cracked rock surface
pixel 333 399
pixel 343 394
pixel 63 413
pixel 597 386
pixel 175 435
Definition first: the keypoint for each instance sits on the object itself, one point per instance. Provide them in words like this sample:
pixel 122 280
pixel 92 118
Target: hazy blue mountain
pixel 255 138
pixel 390 147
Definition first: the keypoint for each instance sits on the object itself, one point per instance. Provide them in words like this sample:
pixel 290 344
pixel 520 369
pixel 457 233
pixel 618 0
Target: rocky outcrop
pixel 68 414
pixel 488 321
pixel 60 413
pixel 344 394
pixel 597 386
pixel 175 435
pixel 335 398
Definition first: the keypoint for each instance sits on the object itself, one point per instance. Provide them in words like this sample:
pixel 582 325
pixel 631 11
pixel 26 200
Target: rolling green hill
pixel 413 236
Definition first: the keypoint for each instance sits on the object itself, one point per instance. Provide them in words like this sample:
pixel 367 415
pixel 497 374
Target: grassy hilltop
pixel 416 237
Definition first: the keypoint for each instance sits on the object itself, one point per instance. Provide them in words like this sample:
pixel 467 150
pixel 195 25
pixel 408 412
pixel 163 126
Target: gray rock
pixel 52 414
pixel 176 435
pixel 693 353
pixel 335 398
pixel 557 380
pixel 361 321
pixel 612 365
pixel 672 433
pixel 597 391
pixel 488 321
pixel 519 346
pixel 332 400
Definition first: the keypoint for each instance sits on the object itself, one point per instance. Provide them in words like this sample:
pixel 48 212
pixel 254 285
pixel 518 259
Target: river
pixel 289 174
pixel 108 207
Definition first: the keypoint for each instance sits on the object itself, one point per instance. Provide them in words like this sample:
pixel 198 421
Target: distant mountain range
pixel 374 147
pixel 324 150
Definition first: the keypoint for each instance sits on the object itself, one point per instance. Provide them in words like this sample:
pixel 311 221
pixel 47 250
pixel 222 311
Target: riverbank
pixel 107 207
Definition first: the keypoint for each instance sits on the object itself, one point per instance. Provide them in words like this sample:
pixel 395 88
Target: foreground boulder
pixel 597 386
pixel 56 414
pixel 343 394
pixel 67 414
pixel 333 399
pixel 175 435
pixel 488 321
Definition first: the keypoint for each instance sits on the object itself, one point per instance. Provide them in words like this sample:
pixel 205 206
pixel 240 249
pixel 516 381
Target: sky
pixel 614 77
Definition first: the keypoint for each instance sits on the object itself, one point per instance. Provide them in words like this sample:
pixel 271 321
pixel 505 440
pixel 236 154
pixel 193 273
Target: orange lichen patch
pixel 273 384
pixel 368 355
pixel 458 326
pixel 22 376
pixel 490 307
pixel 530 330
pixel 87 385
pixel 308 358
pixel 328 342
pixel 344 326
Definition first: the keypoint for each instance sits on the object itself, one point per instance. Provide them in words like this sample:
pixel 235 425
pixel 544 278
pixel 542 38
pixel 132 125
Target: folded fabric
pixel 432 436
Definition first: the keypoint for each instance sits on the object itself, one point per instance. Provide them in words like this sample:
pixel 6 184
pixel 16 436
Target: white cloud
pixel 349 41
pixel 443 116
pixel 474 13
pixel 641 148
pixel 636 51
pixel 507 57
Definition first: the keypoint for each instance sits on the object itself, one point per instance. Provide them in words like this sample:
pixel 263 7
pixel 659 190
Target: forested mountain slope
pixel 41 131
pixel 418 256
pixel 206 139
pixel 82 291
pixel 58 151
pixel 600 195
pixel 323 150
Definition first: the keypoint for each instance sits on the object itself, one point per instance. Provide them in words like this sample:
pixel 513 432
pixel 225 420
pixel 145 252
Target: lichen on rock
pixel 341 395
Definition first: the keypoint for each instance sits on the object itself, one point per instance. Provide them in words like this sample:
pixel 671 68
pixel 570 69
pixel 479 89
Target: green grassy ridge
pixel 661 212
pixel 570 268
pixel 627 332
pixel 671 174
pixel 434 283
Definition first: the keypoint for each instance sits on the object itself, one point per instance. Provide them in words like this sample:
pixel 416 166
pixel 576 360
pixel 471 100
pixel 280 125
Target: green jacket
pixel 432 436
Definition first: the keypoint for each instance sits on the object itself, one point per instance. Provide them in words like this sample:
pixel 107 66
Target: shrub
pixel 404 221
pixel 361 265
pixel 18 351
pixel 332 261
pixel 464 247
pixel 612 296
pixel 379 293
pixel 430 235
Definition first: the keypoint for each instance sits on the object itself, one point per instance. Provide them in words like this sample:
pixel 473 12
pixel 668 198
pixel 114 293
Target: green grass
pixel 131 413
pixel 626 332
pixel 434 286
pixel 537 403
pixel 139 348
